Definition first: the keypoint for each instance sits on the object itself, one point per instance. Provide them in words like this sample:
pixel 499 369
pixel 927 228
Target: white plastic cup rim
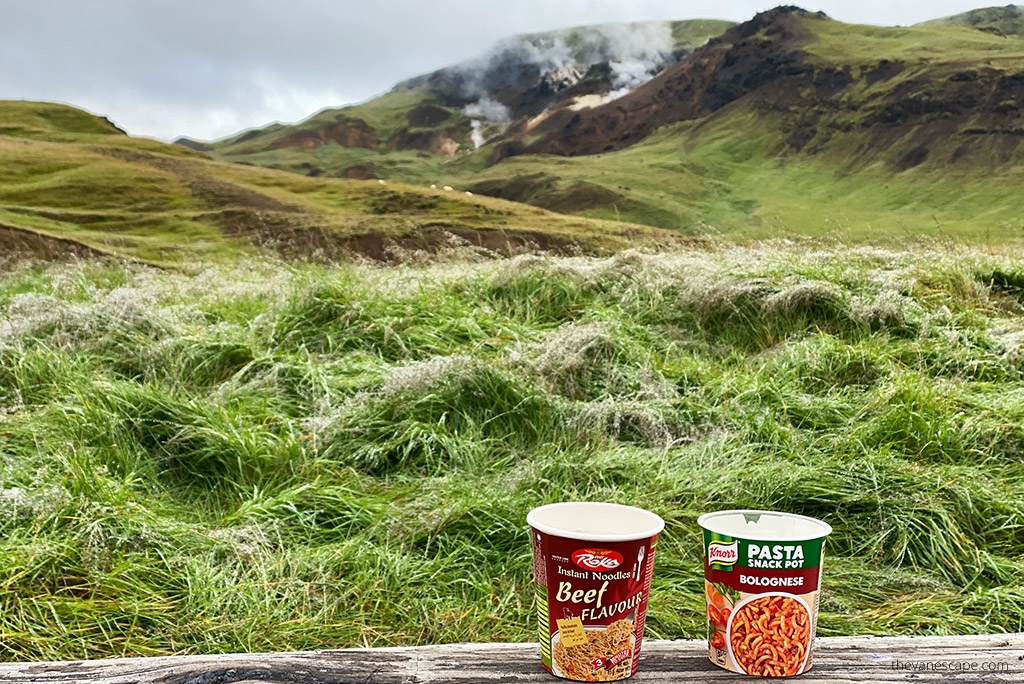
pixel 595 521
pixel 812 528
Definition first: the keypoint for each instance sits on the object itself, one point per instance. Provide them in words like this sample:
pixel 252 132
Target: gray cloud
pixel 208 68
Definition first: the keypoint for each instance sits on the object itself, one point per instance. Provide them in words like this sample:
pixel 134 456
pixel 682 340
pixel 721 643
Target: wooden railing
pixel 985 658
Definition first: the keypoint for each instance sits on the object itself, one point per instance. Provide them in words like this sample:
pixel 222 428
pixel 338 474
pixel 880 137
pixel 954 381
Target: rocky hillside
pixel 457 109
pixel 902 98
pixel 788 122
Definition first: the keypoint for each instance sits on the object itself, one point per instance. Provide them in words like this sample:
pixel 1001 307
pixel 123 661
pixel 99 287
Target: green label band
pixel 542 625
pixel 724 553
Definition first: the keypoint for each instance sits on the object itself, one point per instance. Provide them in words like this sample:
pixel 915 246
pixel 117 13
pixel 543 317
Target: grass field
pixel 264 456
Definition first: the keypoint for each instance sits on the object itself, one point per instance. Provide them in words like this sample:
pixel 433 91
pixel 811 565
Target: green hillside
pixel 800 125
pixel 782 161
pixel 406 133
pixel 72 182
pixel 1004 21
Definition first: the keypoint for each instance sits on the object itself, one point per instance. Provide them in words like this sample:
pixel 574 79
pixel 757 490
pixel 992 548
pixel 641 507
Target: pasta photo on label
pixel 769 635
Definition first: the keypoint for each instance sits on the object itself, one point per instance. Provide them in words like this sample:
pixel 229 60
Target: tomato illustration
pixel 718 640
pixel 715 616
pixel 725 616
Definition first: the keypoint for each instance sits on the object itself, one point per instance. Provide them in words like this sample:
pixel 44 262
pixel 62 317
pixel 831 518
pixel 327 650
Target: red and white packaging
pixel 592 563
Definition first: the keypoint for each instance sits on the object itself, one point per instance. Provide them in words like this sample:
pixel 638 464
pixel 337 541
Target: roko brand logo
pixel 723 554
pixel 597 559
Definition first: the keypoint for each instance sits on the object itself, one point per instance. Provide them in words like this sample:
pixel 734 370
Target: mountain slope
pixel 793 122
pixel 789 122
pixel 1002 21
pixel 70 182
pixel 446 113
pixel 883 83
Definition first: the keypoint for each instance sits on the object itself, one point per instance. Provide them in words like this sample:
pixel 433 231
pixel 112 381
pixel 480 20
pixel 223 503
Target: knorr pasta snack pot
pixel 762 573
pixel 592 563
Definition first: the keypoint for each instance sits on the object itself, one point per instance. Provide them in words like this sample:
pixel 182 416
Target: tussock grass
pixel 269 457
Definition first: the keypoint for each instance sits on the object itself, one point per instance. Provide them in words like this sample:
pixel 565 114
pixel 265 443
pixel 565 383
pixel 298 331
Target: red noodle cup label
pixel 597 559
pixel 605 587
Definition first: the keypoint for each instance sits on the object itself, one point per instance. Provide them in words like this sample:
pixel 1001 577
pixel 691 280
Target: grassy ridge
pixel 27 119
pixel 67 173
pixel 268 457
pixel 1005 21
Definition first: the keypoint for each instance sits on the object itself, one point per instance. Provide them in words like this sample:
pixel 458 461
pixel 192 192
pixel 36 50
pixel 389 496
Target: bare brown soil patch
pixel 293 239
pixel 360 172
pixel 19 243
pixel 351 133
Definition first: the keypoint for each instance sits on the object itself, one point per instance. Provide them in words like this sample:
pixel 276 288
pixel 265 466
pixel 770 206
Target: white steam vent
pixel 634 52
pixel 484 109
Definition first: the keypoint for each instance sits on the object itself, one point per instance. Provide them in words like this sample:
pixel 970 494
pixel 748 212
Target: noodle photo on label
pixel 769 636
pixel 606 657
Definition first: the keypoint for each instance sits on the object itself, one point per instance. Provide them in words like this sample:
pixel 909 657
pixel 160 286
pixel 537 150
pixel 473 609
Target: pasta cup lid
pixel 764 525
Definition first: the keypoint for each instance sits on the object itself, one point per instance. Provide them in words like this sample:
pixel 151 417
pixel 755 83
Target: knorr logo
pixel 597 559
pixel 723 554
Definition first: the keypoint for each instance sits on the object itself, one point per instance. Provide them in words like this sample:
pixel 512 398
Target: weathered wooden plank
pixel 983 658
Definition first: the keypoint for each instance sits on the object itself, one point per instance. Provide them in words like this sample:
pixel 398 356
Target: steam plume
pixel 484 109
pixel 553 61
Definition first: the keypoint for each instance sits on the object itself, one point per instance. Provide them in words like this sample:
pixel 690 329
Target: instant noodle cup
pixel 593 563
pixel 762 573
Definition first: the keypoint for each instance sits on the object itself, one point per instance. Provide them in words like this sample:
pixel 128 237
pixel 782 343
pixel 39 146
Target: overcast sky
pixel 209 68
